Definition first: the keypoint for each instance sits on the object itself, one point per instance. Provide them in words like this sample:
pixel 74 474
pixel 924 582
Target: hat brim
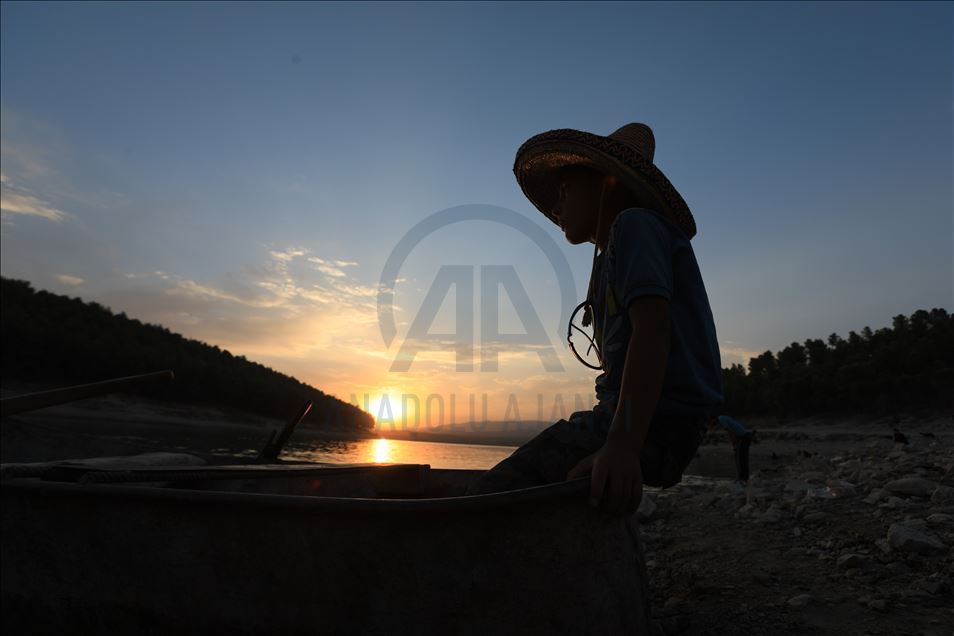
pixel 539 159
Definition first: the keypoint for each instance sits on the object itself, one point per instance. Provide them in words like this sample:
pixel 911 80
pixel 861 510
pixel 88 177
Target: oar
pixel 275 444
pixel 43 399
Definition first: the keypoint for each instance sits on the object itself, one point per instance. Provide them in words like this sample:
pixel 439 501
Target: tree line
pixel 907 367
pixel 54 339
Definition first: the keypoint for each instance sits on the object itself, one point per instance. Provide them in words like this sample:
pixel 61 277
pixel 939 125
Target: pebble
pixel 876 495
pixel 942 495
pixel 801 600
pixel 934 585
pixel 940 519
pixel 796 485
pixel 878 604
pixel 646 510
pixel 899 567
pixel 911 487
pixel 746 510
pixel 907 539
pixel 851 561
pixel 762 577
pixel 896 503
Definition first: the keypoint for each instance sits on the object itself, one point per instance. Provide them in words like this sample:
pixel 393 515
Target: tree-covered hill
pixel 55 339
pixel 908 367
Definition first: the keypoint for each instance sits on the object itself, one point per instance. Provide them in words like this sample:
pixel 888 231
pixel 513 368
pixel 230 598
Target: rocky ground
pixel 852 537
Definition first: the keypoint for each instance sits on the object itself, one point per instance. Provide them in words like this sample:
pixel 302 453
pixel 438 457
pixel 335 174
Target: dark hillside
pixel 57 340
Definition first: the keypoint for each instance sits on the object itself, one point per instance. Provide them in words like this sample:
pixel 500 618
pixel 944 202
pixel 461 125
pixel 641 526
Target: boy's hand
pixel 616 480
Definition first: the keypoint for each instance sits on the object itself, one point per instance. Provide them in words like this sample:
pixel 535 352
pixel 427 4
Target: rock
pixel 896 503
pixel 796 485
pixel 756 494
pixel 899 567
pixel 801 600
pixel 746 511
pixel 672 606
pixel 796 532
pixel 876 495
pixel 932 585
pixel 851 561
pixel 917 524
pixel 911 487
pixel 907 539
pixel 940 519
pixel 762 578
pixel 879 605
pixel 814 517
pixel 646 510
pixel 942 495
pixel 884 546
pixel 840 487
pixel 729 503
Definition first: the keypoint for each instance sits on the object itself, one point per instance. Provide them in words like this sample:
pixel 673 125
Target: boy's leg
pixel 670 445
pixel 548 457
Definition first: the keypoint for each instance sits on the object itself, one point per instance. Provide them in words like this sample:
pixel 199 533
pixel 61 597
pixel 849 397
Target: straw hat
pixel 626 153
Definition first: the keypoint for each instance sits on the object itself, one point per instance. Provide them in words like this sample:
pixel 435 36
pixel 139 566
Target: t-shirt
pixel 647 254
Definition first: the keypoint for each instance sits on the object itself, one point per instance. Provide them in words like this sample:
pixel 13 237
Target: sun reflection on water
pixel 381 451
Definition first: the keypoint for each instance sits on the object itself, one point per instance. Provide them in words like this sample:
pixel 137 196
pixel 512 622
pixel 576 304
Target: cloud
pixel 275 307
pixel 287 255
pixel 32 153
pixel 331 268
pixel 66 279
pixel 17 200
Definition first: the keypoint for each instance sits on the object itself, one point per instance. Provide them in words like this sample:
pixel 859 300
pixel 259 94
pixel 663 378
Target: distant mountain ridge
pixel 503 433
pixel 56 339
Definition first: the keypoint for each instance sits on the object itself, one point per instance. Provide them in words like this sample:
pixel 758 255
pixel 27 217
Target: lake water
pixel 711 462
pixel 437 454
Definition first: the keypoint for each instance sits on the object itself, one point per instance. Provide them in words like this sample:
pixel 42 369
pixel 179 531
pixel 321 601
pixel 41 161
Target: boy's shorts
pixel 670 445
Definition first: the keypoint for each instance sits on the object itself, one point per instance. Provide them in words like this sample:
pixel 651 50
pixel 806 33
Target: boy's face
pixel 578 204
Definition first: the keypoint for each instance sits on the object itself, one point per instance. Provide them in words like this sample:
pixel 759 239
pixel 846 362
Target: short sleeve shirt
pixel 647 254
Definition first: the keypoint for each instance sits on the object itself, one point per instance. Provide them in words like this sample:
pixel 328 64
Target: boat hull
pixel 107 558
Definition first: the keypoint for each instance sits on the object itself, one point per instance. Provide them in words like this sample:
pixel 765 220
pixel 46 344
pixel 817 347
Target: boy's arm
pixel 643 371
pixel 616 481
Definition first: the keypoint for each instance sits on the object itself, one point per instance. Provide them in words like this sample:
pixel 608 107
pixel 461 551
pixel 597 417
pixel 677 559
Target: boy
pixel 661 372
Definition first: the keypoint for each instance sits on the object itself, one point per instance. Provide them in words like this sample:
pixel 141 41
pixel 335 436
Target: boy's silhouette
pixel 655 337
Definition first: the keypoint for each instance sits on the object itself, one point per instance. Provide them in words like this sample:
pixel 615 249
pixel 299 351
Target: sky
pixel 241 173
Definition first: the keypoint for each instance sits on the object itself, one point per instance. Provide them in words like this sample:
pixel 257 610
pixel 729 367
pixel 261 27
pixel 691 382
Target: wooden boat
pixel 172 544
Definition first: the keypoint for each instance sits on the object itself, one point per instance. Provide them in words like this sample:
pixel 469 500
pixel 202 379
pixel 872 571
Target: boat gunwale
pixel 574 488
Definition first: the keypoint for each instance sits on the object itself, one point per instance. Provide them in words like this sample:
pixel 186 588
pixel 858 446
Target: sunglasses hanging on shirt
pixel 593 347
pixel 588 316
